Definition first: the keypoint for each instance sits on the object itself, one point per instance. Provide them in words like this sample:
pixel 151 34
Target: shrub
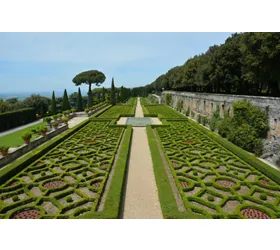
pixel 43 129
pixel 249 126
pixel 168 99
pixel 192 114
pixel 73 110
pixel 224 126
pixel 199 119
pixel 179 105
pixel 65 113
pixel 4 147
pixel 188 111
pixel 48 119
pixel 59 115
pixel 69 199
pixel 26 136
pixel 65 120
pixel 55 124
pixel 263 196
pixel 210 197
pixel 55 117
pixel 245 137
pixel 15 198
pixel 86 110
pixel 213 122
pixel 204 120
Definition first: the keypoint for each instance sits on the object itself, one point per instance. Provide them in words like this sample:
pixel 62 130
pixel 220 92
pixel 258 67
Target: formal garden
pixel 81 173
pixel 212 180
pixel 66 178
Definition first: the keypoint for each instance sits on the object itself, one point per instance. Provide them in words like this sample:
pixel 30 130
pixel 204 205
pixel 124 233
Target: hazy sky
pixel 37 62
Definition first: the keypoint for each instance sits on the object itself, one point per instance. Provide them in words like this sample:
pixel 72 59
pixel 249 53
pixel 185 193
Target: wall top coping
pixel 193 94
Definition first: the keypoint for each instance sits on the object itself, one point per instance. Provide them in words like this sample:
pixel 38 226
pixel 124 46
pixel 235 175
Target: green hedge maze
pixel 67 181
pixel 213 181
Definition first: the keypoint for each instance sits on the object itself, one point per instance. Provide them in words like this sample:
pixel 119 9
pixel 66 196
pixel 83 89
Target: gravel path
pixel 141 196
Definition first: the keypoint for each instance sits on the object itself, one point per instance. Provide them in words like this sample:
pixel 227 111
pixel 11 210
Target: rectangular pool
pixel 135 121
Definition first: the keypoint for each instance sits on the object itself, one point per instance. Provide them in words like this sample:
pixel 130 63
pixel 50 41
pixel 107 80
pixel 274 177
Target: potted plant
pixel 43 130
pixel 48 119
pixel 4 150
pixel 55 125
pixel 65 120
pixel 26 137
pixel 54 117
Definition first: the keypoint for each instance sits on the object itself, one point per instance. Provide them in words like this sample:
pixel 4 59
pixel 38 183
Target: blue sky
pixel 40 62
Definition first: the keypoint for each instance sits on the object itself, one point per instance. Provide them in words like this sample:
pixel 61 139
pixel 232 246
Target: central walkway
pixel 141 197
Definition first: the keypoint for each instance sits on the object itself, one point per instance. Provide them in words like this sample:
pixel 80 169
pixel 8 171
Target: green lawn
pixel 14 139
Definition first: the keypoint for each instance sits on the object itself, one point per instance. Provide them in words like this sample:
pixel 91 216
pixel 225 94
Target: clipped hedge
pixel 241 153
pixel 17 118
pixel 166 197
pixel 112 207
pixel 15 167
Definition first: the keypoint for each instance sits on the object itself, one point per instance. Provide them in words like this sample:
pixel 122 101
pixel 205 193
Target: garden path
pixel 141 196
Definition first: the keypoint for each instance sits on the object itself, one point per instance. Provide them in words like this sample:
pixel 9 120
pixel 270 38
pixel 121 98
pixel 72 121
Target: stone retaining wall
pixel 207 103
pixel 18 152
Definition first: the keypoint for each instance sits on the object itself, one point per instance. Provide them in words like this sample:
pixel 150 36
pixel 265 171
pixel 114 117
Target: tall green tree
pixel 80 105
pixel 89 77
pixel 122 94
pixel 53 108
pixel 113 93
pixel 65 102
pixel 103 94
pixel 118 97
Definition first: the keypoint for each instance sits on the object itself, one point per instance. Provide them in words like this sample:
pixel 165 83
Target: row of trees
pixel 247 63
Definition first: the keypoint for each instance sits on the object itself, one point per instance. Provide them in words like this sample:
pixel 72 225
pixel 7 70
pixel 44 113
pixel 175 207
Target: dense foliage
pixel 113 93
pixel 53 107
pixel 246 128
pixel 247 63
pixel 65 102
pixel 16 118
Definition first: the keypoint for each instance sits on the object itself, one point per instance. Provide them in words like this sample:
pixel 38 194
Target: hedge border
pixel 112 206
pixel 166 197
pixel 18 165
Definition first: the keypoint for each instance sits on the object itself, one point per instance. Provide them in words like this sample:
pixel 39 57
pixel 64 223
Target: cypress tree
pixel 103 94
pixel 80 105
pixel 53 104
pixel 122 94
pixel 113 93
pixel 117 97
pixel 65 102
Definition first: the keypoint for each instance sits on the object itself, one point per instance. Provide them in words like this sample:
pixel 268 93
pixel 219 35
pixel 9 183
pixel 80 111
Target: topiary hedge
pixel 16 118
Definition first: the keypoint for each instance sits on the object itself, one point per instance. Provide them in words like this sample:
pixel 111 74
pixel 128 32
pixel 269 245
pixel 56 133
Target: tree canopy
pixel 247 63
pixel 89 77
